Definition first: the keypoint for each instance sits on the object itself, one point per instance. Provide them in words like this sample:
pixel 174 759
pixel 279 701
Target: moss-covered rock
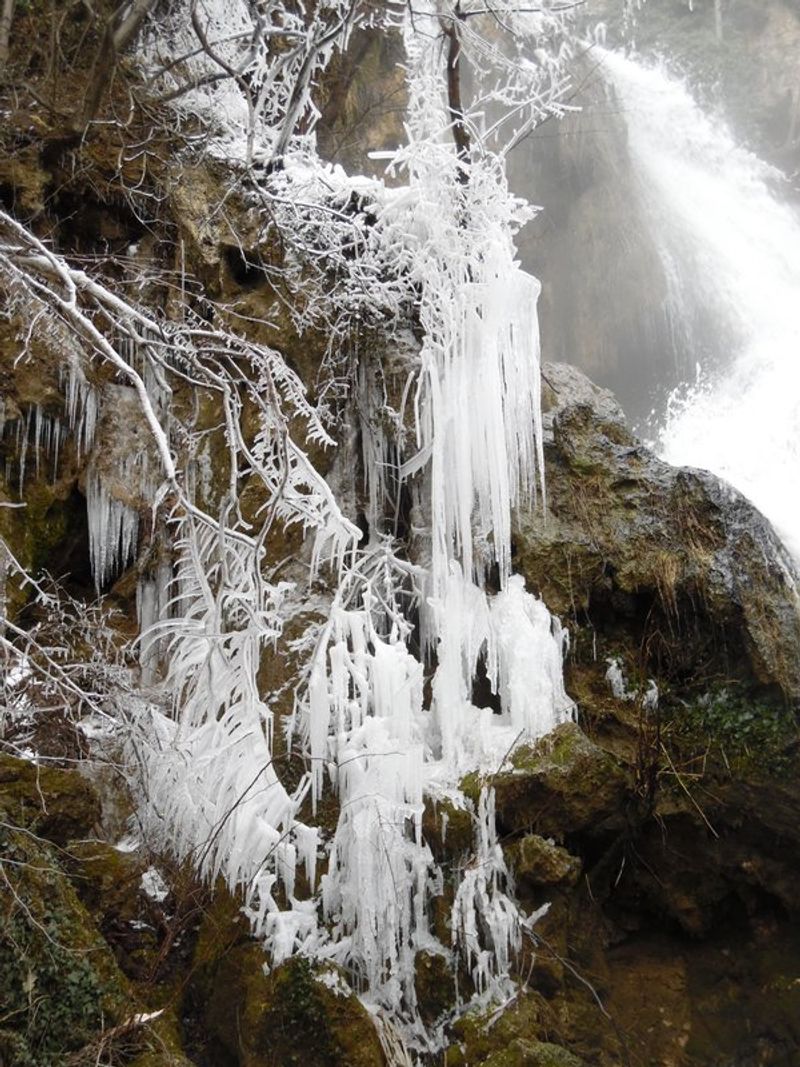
pixel 56 804
pixel 109 883
pixel 60 985
pixel 448 830
pixel 669 562
pixel 563 784
pixel 517 1037
pixel 299 1014
pixel 522 1053
pixel 539 861
pixel 435 986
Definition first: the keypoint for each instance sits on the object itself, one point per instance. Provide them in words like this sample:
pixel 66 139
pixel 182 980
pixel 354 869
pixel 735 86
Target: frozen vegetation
pixel 384 714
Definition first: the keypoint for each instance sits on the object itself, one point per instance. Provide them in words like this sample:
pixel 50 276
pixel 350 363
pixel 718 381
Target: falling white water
pixel 728 244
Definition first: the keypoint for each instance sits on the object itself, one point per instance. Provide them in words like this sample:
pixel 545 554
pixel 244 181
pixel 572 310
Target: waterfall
pixel 731 247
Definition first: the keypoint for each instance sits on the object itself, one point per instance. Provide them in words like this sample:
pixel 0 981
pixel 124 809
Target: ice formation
pixel 469 452
pixel 487 925
pixel 39 435
pixel 113 526
pixel 478 449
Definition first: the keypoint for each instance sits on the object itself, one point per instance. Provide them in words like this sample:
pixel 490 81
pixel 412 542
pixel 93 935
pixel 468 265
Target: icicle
pixel 23 435
pixel 486 923
pixel 530 653
pixel 153 594
pixel 37 436
pixel 113 529
pixel 58 433
pixel 213 791
pixel 80 406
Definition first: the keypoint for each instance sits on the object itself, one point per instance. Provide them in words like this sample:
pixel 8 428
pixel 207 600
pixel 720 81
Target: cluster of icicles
pixel 361 719
pixel 211 786
pixel 210 780
pixel 40 435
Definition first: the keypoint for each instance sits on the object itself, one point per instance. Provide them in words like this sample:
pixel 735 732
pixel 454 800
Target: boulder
pixel 517 1037
pixel 538 861
pixel 522 1053
pixel 670 560
pixel 562 784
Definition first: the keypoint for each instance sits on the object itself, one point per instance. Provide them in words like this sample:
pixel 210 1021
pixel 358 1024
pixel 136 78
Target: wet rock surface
pixel 671 558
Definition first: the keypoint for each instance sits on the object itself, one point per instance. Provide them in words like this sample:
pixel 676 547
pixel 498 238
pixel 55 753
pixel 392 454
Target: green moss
pixel 60 984
pixel 108 884
pixel 471 785
pixel 434 985
pixel 309 1024
pixel 539 862
pixel 748 735
pixel 523 1053
pixel 562 784
pixel 52 803
pixel 512 1040
pixel 558 749
pixel 32 533
pixel 293 1016
pixel 448 829
pixel 160 1043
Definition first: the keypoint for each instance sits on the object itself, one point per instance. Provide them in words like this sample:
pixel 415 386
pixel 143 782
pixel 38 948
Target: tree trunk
pixel 454 103
pixel 6 18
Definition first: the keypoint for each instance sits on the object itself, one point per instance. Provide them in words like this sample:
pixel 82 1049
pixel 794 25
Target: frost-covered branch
pixel 259 66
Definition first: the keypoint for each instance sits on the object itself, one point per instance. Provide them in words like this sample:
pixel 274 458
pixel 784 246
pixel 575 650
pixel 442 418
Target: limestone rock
pixel 522 1053
pixel 300 1014
pixel 671 558
pixel 538 861
pixel 563 784
pixel 515 1038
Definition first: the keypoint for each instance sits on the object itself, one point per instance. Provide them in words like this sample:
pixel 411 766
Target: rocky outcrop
pixel 669 561
pixel 656 830
pixel 47 802
pixel 237 1012
pixel 80 941
pixel 563 784
pixel 657 840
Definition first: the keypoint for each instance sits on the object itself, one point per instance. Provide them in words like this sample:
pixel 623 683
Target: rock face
pixel 77 935
pixel 656 828
pixel 661 835
pixel 672 558
pixel 564 784
pixel 675 856
pixel 299 1014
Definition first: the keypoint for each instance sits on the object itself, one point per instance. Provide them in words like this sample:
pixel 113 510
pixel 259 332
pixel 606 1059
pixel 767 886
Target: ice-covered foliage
pixel 247 70
pixel 435 256
pixel 474 456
